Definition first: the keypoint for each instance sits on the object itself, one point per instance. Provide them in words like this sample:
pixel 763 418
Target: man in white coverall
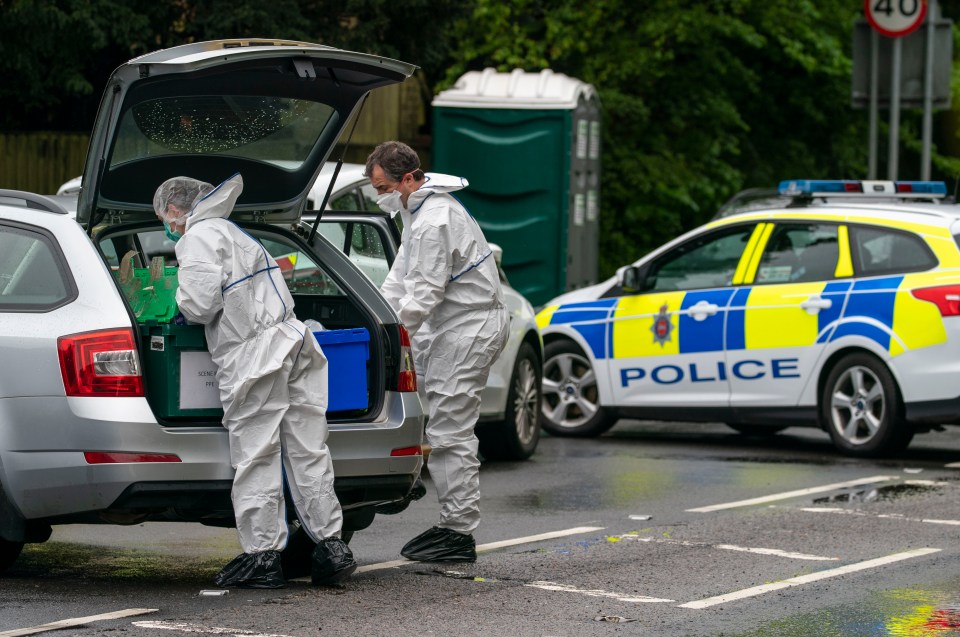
pixel 445 287
pixel 273 384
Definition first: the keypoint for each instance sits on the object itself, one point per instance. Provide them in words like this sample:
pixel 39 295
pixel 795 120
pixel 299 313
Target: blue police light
pixel 846 187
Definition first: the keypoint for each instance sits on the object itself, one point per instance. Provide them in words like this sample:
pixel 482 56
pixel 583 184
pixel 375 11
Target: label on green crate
pixel 198 381
pixel 156 343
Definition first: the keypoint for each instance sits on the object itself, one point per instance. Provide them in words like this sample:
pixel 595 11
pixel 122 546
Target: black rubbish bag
pixel 441 545
pixel 252 570
pixel 333 562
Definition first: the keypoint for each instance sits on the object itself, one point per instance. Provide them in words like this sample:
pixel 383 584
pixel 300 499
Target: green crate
pixel 164 347
pixel 151 291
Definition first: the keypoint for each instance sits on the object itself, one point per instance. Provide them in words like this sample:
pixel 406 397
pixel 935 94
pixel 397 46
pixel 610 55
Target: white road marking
pixel 184 627
pixel 620 597
pixel 490 546
pixel 729 547
pixel 792 494
pixel 952 465
pixel 885 516
pixel 777 552
pixel 77 621
pixel 806 579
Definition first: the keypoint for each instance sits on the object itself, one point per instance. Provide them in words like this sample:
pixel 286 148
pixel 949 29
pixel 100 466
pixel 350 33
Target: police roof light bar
pixel 810 188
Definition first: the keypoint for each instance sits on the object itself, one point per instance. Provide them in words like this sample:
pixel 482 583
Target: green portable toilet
pixel 529 144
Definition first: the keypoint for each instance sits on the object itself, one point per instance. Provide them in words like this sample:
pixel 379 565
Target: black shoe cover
pixel 252 570
pixel 417 491
pixel 441 545
pixel 332 562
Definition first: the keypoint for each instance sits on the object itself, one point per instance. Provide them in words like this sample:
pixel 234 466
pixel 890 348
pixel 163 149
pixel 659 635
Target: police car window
pixel 32 273
pixel 797 253
pixel 708 261
pixel 886 251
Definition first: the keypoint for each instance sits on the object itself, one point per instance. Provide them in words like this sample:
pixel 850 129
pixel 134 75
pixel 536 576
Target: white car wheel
pixel 517 436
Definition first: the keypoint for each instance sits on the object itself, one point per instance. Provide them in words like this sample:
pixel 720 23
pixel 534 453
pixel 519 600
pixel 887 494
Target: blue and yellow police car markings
pixel 774 317
pixel 869 310
pixel 591 319
pixel 702 332
pixel 844 258
pixel 646 325
pixel 759 237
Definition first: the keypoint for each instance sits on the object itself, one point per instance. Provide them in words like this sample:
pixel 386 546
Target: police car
pixel 839 308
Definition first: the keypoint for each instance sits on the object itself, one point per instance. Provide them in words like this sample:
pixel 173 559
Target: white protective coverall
pixel 271 371
pixel 445 288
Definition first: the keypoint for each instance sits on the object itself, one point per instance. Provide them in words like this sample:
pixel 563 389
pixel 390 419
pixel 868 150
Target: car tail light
pixel 407 378
pixel 407 451
pixel 107 457
pixel 945 297
pixel 102 363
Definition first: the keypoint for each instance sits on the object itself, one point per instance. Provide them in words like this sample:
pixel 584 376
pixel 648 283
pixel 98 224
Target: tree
pixel 56 55
pixel 700 99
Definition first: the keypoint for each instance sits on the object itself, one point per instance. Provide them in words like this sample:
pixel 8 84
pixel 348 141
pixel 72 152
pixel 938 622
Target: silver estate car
pixel 91 426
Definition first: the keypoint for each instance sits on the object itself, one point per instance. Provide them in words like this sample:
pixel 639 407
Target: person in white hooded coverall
pixel 445 287
pixel 272 376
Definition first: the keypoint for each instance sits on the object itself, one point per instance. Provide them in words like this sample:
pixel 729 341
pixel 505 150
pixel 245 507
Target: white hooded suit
pixel 445 287
pixel 271 371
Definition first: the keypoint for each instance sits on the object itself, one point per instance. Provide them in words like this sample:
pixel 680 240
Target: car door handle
pixel 702 310
pixel 814 304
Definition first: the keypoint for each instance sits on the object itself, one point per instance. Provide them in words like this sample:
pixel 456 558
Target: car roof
pixel 270 109
pixel 943 215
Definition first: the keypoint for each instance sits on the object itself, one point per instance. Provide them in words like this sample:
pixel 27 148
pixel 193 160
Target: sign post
pixel 894 19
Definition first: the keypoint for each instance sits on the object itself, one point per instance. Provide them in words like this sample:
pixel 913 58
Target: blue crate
pixel 347 352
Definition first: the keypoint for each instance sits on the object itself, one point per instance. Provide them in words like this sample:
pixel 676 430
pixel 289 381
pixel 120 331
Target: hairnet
pixel 182 192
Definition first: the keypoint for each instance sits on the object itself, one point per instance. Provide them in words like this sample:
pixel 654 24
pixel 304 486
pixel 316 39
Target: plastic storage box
pixel 180 375
pixel 347 352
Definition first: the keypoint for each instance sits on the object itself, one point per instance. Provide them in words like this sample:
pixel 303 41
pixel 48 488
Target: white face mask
pixel 390 202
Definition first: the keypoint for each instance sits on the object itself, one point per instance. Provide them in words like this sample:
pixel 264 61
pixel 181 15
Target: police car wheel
pixel 862 409
pixel 517 436
pixel 8 553
pixel 571 400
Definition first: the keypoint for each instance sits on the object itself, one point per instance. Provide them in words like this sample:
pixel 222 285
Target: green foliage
pixel 61 52
pixel 700 99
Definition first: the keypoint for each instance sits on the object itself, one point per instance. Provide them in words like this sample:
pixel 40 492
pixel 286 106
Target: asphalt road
pixel 653 529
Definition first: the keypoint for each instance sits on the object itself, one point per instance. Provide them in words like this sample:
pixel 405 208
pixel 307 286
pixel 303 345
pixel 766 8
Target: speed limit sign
pixel 895 18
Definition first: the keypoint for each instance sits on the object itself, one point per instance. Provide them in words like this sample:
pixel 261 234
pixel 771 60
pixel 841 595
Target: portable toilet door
pixel 529 145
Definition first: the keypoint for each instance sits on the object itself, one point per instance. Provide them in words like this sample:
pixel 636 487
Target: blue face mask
pixel 173 236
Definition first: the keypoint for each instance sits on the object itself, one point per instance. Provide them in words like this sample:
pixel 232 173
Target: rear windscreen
pixel 277 130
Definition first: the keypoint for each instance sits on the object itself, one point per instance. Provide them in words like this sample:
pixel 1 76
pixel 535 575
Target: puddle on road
pixel 878 494
pixel 891 613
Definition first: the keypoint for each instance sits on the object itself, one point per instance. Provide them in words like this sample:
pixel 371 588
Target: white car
pixel 838 309
pixel 509 427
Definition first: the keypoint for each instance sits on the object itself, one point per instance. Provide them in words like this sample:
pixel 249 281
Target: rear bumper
pixel 44 474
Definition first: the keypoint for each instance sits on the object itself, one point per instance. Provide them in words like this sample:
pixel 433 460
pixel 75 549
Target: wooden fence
pixel 41 161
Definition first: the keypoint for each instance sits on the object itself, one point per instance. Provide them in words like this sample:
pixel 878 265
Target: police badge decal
pixel 662 328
